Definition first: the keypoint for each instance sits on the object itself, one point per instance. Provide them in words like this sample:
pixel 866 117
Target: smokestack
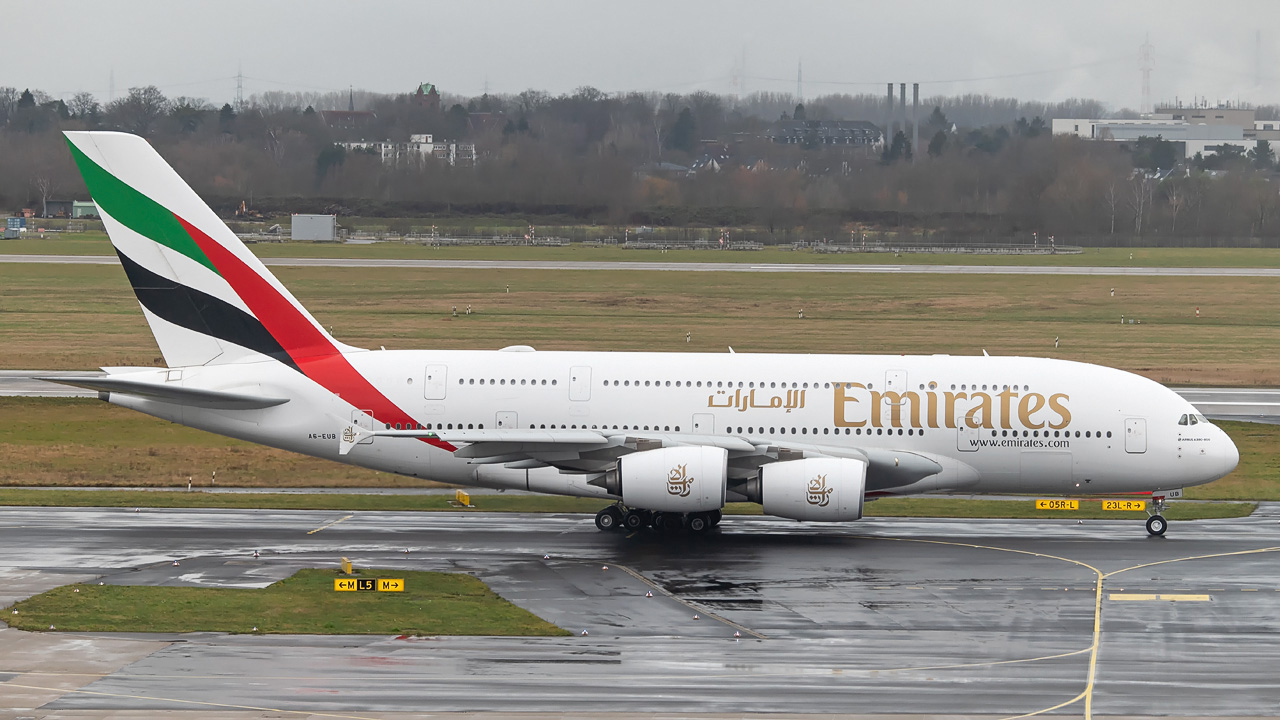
pixel 888 125
pixel 902 105
pixel 915 121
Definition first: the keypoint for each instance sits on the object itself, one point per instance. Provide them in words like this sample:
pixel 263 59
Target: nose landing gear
pixel 1156 524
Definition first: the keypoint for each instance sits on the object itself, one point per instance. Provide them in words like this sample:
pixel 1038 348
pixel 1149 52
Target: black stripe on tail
pixel 201 312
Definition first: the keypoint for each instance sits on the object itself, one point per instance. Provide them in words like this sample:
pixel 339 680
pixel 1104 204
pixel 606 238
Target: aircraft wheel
pixel 635 519
pixel 716 516
pixel 609 518
pixel 1156 525
pixel 699 523
pixel 659 521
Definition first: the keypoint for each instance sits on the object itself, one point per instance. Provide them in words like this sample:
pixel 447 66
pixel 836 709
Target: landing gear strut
pixel 1156 524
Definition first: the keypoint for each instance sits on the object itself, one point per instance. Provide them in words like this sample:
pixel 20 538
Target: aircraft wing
pixel 592 452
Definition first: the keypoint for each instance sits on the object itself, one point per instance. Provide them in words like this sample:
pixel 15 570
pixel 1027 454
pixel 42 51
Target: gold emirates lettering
pixel 858 406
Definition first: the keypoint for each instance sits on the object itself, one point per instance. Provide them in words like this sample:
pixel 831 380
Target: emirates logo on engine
pixel 678 481
pixel 819 493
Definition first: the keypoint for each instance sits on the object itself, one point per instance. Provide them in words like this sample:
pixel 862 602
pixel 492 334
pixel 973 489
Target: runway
pixel 702 266
pixel 907 617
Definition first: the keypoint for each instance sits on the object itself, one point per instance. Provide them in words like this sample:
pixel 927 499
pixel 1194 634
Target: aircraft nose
pixel 1228 454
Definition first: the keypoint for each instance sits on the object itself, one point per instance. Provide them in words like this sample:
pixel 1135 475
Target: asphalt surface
pixel 887 616
pixel 1246 404
pixel 702 266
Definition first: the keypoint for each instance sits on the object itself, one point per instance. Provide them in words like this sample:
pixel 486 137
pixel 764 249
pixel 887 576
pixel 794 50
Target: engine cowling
pixel 824 489
pixel 679 479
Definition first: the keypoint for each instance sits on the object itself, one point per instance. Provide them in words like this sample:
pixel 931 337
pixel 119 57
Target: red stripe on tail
pixel 315 355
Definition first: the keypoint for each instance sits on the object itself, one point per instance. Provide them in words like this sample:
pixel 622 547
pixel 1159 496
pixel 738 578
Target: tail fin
pixel 207 298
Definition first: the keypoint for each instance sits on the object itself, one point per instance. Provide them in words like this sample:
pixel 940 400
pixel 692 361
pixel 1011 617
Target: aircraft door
pixel 704 423
pixel 895 381
pixel 1135 435
pixel 580 383
pixel 506 420
pixel 966 437
pixel 434 387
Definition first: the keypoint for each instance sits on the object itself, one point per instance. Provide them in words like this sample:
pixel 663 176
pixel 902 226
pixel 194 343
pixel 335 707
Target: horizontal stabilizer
pixel 193 397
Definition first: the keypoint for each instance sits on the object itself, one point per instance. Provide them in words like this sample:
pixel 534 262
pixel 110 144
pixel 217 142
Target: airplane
pixel 670 438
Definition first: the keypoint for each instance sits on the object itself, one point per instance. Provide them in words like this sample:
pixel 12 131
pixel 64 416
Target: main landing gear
pixel 1156 524
pixel 619 517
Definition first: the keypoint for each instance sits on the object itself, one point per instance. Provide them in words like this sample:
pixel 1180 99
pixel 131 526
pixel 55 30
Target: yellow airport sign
pixel 1057 504
pixel 355 584
pixel 1124 505
pixel 368 584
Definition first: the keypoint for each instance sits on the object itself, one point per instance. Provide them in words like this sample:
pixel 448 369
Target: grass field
pixel 95 243
pixel 306 603
pixel 76 317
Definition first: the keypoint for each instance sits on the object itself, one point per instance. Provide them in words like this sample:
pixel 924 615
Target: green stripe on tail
pixel 137 211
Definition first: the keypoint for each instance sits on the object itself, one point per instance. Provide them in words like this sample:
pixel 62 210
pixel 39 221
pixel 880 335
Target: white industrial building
pixel 313 228
pixel 1198 130
pixel 418 149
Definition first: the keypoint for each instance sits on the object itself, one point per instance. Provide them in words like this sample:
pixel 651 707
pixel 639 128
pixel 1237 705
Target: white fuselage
pixel 996 424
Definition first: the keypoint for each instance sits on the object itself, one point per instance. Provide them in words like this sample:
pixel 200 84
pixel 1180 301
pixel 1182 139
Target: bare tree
pixel 83 104
pixel 1111 199
pixel 140 112
pixel 8 103
pixel 657 136
pixel 1141 187
pixel 45 186
pixel 1177 202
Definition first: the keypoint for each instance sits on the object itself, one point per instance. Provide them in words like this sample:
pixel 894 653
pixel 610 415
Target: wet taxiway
pixel 884 616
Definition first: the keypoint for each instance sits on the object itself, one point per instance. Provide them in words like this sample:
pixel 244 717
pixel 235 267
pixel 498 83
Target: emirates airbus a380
pixel 671 437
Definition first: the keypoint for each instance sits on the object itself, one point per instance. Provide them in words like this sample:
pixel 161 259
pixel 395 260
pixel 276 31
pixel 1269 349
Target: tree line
pixel 986 167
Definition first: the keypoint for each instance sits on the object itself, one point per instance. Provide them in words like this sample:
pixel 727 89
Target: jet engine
pixel 678 479
pixel 826 489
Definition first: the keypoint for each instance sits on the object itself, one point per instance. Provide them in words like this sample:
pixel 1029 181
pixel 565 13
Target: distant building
pixel 713 161
pixel 825 132
pixel 427 96
pixel 313 228
pixel 57 208
pixel 83 209
pixel 416 150
pixel 1197 130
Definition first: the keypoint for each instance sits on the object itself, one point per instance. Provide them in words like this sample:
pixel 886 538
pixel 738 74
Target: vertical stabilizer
pixel 207 298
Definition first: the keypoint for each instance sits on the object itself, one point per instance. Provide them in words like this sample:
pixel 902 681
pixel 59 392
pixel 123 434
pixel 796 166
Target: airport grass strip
pixel 95 242
pixel 887 507
pixel 431 604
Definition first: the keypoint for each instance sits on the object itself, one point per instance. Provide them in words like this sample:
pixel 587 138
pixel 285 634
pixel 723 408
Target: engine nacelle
pixel 827 489
pixel 678 479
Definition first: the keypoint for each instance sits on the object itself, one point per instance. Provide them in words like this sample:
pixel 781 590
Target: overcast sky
pixel 1023 48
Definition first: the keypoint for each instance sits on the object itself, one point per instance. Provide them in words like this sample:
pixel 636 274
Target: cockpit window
pixel 1183 420
pixel 1194 420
